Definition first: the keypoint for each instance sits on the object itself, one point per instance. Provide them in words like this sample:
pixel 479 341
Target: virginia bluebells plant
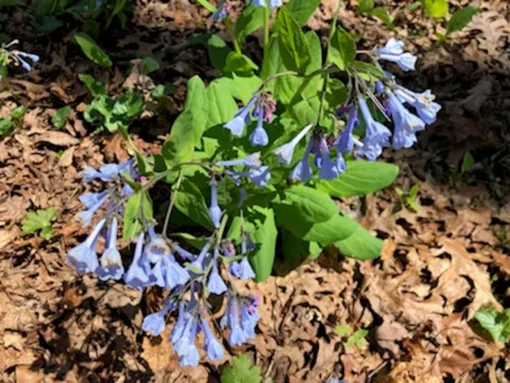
pixel 16 57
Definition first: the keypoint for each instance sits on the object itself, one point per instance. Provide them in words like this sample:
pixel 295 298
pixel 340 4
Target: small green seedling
pixel 60 117
pixel 356 339
pixel 496 323
pixel 240 370
pixel 41 220
pixel 7 123
pixel 409 200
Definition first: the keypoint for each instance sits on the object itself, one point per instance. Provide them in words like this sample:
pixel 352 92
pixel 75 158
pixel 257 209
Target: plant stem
pixel 172 202
pixel 219 234
pixel 266 26
pixel 233 35
pixel 207 5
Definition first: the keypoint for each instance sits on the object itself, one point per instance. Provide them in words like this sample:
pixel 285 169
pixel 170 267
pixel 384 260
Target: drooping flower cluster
pixel 157 261
pixel 16 57
pixel 386 95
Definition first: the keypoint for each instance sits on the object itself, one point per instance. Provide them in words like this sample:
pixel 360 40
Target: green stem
pixel 172 202
pixel 207 5
pixel 266 29
pixel 219 234
pixel 233 35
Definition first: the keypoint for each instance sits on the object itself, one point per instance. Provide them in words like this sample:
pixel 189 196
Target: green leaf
pixel 292 42
pixel 496 323
pixel 18 113
pixel 190 201
pixel 251 19
pixel 467 163
pixel 237 62
pixel 241 371
pixel 131 223
pixel 59 118
pixel 314 205
pixel 301 10
pixel 360 245
pixel 382 14
pixel 180 146
pixel 460 19
pixel 361 178
pixel 343 330
pixel 341 49
pixel 366 5
pixel 5 125
pixel 221 105
pixel 149 64
pixel 95 87
pixel 196 105
pixel 92 50
pixel 436 8
pixel 218 52
pixel 39 220
pixel 260 225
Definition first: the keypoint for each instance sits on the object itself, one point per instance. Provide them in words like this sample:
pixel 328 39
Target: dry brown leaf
pixel 58 138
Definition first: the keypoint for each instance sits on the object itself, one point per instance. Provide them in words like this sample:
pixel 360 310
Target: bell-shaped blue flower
pixel 303 171
pixel 111 262
pixel 83 257
pixel 241 118
pixel 248 321
pixel 260 176
pixel 376 133
pixel 405 61
pixel 137 275
pixel 214 209
pixel 424 104
pixel 215 283
pixel 345 142
pixel 392 47
pixel 328 169
pixel 212 346
pixel 259 136
pixel 96 200
pixel 157 248
pixel 275 4
pixel 406 123
pixel 221 12
pixel 155 322
pixel 259 3
pixel 242 269
pixel 200 259
pixel 237 336
pixel 179 325
pixel 175 274
pixel 251 161
pixel 286 151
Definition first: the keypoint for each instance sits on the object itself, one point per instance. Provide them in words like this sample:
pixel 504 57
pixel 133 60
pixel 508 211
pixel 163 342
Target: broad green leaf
pixel 196 104
pixel 460 19
pixel 95 87
pixel 251 19
pixel 218 52
pixel 337 228
pixel 5 125
pixel 180 145
pixel 315 206
pixel 149 64
pixel 237 62
pixel 264 235
pixel 382 14
pixel 496 323
pixel 301 10
pixel 59 118
pixel 241 371
pixel 314 44
pixel 366 5
pixel 131 223
pixel 361 178
pixel 292 42
pixel 221 105
pixel 240 87
pixel 272 60
pixel 92 50
pixel 190 201
pixel 436 8
pixel 360 245
pixel 260 225
pixel 39 220
pixel 341 49
pixel 467 163
pixel 18 113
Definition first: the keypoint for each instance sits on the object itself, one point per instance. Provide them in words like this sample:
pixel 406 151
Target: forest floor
pixel 440 264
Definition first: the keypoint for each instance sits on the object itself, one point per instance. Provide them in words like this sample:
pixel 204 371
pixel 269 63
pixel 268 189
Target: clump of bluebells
pixel 11 56
pixel 250 175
